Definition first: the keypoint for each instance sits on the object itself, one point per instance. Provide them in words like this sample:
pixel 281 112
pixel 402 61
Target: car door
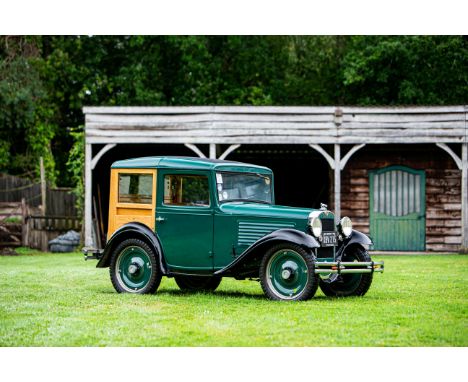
pixel 184 220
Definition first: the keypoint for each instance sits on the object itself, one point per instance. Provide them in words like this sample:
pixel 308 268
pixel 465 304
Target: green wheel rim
pixel 287 274
pixel 134 269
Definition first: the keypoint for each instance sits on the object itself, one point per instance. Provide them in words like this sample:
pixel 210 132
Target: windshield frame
pixel 268 175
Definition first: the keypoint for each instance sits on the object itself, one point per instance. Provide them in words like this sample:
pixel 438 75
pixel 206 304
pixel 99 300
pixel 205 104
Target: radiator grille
pixel 326 252
pixel 328 225
pixel 249 232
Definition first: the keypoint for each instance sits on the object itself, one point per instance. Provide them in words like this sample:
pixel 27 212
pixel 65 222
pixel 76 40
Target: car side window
pixel 186 190
pixel 135 188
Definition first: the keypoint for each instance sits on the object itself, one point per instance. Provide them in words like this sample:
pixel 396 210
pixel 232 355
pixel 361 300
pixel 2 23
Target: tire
pixel 134 268
pixel 197 283
pixel 353 284
pixel 287 273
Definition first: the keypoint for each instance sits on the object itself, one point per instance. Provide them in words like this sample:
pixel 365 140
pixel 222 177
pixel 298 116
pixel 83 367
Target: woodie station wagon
pixel 199 220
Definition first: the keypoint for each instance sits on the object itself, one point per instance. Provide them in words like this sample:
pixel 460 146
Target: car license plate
pixel 328 239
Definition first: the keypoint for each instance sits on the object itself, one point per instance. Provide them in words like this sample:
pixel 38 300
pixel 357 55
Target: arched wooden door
pixel 398 208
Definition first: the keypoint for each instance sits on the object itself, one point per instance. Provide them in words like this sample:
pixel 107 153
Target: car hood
pixel 266 210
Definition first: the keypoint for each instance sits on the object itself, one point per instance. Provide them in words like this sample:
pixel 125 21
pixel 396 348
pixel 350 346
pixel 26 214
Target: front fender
pixel 257 249
pixel 355 238
pixel 133 230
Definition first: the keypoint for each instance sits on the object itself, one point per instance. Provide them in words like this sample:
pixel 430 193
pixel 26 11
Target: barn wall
pixel 443 189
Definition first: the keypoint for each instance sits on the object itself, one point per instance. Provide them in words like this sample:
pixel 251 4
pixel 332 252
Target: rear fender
pixel 133 231
pixel 257 249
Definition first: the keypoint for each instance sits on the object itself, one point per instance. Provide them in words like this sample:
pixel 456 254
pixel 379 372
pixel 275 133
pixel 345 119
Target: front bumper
pixel 342 267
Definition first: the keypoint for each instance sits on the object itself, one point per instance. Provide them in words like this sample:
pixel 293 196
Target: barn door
pixel 397 209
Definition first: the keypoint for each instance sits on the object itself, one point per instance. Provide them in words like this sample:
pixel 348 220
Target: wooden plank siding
pixel 275 125
pixel 443 190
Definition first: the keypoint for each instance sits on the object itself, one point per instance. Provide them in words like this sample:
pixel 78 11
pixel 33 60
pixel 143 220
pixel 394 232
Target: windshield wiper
pixel 245 200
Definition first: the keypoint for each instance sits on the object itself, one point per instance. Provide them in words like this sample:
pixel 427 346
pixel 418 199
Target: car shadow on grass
pixel 219 293
pixel 179 293
pixel 236 295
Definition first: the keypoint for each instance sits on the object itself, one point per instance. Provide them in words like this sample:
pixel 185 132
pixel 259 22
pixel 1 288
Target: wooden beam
pixel 88 221
pixel 455 157
pixel 464 195
pixel 270 109
pixel 195 149
pixel 229 150
pixel 349 154
pixel 327 156
pixel 266 139
pixel 207 109
pixel 337 169
pixel 43 186
pixel 212 150
pixel 99 155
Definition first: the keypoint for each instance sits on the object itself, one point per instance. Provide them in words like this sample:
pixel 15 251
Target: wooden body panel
pixel 123 213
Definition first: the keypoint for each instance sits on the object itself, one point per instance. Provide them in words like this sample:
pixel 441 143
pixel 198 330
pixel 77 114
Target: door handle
pixel 160 219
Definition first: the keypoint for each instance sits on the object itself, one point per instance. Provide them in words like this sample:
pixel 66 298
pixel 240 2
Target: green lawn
pixel 61 300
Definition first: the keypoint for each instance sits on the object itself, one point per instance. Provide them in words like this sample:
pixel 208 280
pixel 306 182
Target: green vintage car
pixel 199 220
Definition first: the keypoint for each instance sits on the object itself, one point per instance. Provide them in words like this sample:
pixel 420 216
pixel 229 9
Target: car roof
pixel 189 163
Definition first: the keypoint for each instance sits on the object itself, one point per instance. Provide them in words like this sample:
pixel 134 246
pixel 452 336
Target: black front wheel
pixel 351 284
pixel 287 273
pixel 197 283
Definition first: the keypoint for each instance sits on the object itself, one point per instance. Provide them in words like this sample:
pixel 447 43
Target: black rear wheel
pixel 197 283
pixel 351 284
pixel 134 268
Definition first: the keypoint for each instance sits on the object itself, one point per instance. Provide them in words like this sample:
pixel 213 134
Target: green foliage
pixel 26 129
pixel 75 165
pixel 404 70
pixel 46 81
pixel 418 301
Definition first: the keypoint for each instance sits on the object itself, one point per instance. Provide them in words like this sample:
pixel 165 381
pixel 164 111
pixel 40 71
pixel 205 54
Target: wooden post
pixel 337 183
pixel 212 150
pixel 88 220
pixel 43 186
pixel 464 196
pixel 24 223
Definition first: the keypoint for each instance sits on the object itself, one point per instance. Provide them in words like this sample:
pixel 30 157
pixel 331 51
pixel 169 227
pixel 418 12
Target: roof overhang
pixel 276 125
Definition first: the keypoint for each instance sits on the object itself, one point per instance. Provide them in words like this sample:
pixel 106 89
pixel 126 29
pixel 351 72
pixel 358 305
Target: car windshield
pixel 243 187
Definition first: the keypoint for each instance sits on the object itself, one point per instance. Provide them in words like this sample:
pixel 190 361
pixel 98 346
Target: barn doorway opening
pixel 302 176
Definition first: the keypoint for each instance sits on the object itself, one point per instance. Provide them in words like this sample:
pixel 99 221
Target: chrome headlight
pixel 315 225
pixel 346 227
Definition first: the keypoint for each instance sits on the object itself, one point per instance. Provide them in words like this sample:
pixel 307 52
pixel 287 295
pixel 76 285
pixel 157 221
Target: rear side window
pixel 186 190
pixel 135 188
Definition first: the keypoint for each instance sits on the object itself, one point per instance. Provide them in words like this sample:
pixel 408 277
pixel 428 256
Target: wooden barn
pixel 400 173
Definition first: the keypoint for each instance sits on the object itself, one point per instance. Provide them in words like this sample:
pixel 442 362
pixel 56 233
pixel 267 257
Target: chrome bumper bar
pixel 349 267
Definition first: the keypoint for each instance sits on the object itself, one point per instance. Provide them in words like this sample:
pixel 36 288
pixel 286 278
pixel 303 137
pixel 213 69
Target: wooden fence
pixel 60 201
pixel 22 221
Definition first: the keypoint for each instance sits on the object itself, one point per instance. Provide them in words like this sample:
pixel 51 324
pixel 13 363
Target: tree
pixel 406 70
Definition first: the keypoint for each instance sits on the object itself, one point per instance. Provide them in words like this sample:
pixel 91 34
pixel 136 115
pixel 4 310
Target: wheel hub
pixel 133 269
pixel 287 273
